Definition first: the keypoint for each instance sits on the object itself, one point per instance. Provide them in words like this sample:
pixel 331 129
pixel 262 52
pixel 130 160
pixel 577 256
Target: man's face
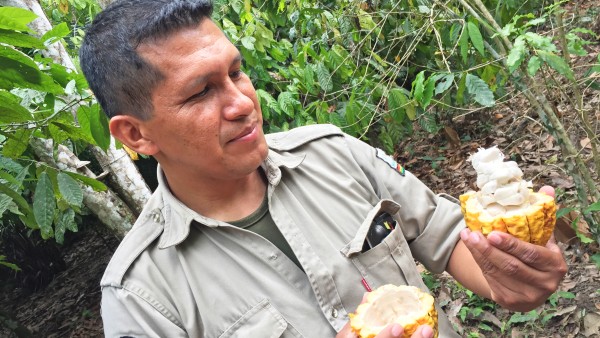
pixel 206 120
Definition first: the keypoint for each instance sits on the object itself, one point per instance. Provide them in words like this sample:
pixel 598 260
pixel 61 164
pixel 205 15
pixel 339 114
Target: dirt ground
pixel 69 305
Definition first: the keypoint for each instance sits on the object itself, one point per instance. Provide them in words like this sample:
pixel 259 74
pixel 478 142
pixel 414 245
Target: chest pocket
pixel 391 260
pixel 263 320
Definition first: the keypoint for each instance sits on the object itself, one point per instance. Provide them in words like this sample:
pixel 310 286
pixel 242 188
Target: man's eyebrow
pixel 238 59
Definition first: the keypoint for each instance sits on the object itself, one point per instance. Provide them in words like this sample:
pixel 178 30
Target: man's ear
pixel 129 130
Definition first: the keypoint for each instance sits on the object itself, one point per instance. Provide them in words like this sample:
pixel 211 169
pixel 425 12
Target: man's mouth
pixel 247 134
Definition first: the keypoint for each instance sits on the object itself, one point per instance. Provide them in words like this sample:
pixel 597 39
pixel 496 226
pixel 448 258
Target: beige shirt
pixel 180 274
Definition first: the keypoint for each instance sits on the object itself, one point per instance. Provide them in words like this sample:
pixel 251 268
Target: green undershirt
pixel 260 222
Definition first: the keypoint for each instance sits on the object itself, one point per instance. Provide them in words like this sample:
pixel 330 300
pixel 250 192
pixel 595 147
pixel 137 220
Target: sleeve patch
pixel 390 161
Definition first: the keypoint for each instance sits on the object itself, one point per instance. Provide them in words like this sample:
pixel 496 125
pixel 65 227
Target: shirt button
pixel 334 313
pixel 273 256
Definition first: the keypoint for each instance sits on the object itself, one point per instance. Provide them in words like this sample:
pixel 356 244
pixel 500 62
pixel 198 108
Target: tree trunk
pixel 125 178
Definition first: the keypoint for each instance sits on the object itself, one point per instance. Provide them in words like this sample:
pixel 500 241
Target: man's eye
pixel 236 74
pixel 200 94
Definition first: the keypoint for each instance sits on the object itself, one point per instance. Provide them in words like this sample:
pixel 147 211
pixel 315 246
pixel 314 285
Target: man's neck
pixel 222 200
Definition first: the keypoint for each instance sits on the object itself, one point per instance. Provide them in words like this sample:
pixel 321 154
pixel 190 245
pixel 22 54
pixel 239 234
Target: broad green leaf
pixel 476 38
pixel 462 87
pixel 14 183
pixel 287 101
pixel 44 205
pixel 17 143
pixel 248 42
pixel 267 103
pixel 365 20
pixel 91 182
pixel 463 43
pixel 534 65
pixel 19 200
pixel 74 132
pixel 10 165
pixel 540 42
pixel 516 54
pixel 444 84
pixel 480 91
pixel 428 91
pixel 309 78
pixel 19 39
pixel 57 32
pixel 429 123
pixel 70 189
pixel 557 63
pixel 411 110
pixel 20 71
pixel 5 202
pixel 593 207
pixel 11 110
pixel 99 127
pixel 65 221
pixel 418 87
pixel 396 104
pixel 323 76
pixel 16 18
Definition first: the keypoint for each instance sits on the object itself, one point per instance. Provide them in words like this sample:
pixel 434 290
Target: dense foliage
pixel 376 68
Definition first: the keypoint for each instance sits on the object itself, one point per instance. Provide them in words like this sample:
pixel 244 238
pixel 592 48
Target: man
pixel 248 236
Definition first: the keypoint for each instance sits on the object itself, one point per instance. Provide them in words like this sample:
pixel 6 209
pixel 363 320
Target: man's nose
pixel 238 102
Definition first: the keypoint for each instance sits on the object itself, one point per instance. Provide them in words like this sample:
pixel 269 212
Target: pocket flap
pixel 263 320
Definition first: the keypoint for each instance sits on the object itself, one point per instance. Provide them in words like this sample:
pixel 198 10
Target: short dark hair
pixel 119 77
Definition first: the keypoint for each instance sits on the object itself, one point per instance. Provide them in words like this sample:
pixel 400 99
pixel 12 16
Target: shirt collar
pixel 176 217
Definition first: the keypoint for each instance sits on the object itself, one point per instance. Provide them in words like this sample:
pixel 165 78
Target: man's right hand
pixel 391 331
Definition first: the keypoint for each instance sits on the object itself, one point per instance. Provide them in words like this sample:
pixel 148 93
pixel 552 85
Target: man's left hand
pixel 521 275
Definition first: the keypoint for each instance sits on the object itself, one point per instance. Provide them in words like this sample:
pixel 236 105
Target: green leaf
pixel 20 71
pixel 17 143
pixel 516 54
pixel 396 102
pixel 593 207
pixel 365 20
pixel 267 103
pixel 557 63
pixel 19 39
pixel 70 189
pixel 480 90
pixel 534 65
pixel 5 202
pixel 248 42
pixel 99 127
pixel 16 18
pixel 428 91
pixel 563 211
pixel 8 265
pixel 464 44
pixel 91 182
pixel 57 32
pixel 323 76
pixel 11 110
pixel 476 38
pixel 19 200
pixel 418 86
pixel 44 205
pixel 287 101
pixel 65 221
pixel 444 84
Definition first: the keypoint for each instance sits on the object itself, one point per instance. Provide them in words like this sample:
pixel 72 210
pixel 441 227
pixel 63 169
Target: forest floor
pixel 68 306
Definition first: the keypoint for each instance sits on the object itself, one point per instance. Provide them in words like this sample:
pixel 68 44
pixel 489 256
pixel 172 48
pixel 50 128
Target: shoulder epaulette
pixel 296 137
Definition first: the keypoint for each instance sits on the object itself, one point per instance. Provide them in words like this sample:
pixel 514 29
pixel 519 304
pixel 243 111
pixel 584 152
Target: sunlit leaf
pixel 44 205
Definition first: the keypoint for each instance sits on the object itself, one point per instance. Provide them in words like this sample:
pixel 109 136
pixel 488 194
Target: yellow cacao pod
pixel 533 223
pixel 408 306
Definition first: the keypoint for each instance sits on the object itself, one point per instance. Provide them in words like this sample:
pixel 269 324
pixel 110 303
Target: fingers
pixel 548 190
pixel 533 255
pixel 396 331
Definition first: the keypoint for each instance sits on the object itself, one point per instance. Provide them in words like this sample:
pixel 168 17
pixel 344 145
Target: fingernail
pixel 427 332
pixel 397 330
pixel 474 238
pixel 464 234
pixel 494 239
